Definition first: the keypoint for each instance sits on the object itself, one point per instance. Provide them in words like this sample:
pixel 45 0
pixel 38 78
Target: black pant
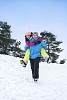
pixel 35 67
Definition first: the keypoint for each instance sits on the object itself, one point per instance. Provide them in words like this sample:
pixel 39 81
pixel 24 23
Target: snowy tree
pixel 7 43
pixel 5 36
pixel 52 44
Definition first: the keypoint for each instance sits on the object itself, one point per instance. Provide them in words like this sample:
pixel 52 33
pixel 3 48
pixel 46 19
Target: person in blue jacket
pixel 35 55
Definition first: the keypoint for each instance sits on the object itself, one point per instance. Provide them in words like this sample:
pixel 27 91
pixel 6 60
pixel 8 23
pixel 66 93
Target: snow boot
pixel 23 63
pixel 47 59
pixel 35 79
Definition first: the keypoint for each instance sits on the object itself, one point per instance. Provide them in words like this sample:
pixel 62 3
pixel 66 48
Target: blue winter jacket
pixel 35 51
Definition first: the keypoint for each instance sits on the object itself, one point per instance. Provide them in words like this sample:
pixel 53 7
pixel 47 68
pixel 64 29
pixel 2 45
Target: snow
pixel 16 82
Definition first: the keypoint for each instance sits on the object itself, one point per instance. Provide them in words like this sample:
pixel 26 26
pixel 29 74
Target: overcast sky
pixel 35 15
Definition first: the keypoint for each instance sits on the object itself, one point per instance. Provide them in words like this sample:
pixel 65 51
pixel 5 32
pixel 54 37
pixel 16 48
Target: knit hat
pixel 29 33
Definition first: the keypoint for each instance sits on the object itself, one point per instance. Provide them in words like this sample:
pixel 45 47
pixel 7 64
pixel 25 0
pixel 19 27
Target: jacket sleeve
pixel 39 39
pixel 30 43
pixel 26 47
pixel 34 43
pixel 43 44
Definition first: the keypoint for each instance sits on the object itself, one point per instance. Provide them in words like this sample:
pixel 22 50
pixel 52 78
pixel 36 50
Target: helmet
pixel 28 33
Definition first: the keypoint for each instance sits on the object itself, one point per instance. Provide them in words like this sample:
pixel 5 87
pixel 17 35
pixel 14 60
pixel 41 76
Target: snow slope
pixel 16 82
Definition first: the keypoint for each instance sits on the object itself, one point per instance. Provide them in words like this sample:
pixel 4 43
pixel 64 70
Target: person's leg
pixel 43 53
pixel 36 68
pixel 32 66
pixel 27 55
pixel 26 58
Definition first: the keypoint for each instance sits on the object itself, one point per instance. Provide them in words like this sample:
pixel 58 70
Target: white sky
pixel 35 15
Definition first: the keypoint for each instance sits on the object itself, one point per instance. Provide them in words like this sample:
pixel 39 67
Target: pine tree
pixel 52 44
pixel 7 43
pixel 5 36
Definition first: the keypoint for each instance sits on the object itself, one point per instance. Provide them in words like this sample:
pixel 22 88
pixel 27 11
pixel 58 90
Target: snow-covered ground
pixel 16 82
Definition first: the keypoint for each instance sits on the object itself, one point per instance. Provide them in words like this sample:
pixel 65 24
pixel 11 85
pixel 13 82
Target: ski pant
pixel 27 55
pixel 43 53
pixel 35 67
